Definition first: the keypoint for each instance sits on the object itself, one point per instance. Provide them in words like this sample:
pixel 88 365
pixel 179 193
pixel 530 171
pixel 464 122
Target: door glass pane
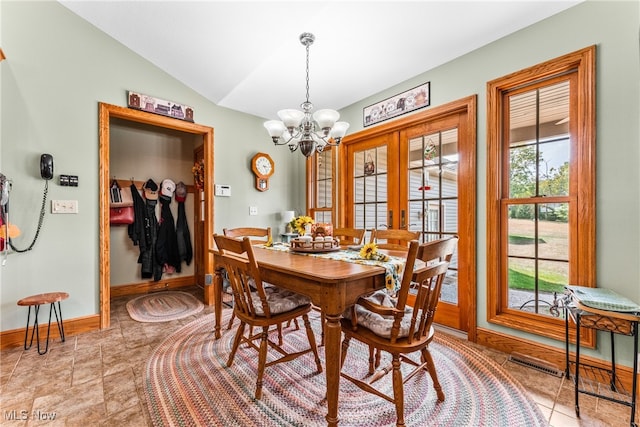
pixel 370 188
pixel 433 193
pixel 450 215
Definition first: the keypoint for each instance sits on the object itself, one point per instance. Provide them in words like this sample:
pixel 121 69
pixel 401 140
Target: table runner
pixel 394 266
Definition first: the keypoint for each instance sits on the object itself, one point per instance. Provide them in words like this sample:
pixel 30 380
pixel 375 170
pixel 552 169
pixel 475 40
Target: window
pixel 540 191
pixel 321 194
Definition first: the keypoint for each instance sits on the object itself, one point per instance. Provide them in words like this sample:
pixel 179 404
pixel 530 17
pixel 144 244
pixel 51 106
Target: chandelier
pixel 302 129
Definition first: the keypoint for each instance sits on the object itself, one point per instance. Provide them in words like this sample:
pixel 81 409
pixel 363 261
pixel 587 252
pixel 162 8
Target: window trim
pixel 583 270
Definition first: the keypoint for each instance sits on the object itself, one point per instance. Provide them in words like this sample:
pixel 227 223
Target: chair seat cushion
pixel 378 324
pixel 279 300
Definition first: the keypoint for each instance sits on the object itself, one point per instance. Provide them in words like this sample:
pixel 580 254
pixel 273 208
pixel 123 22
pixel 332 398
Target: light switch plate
pixel 64 206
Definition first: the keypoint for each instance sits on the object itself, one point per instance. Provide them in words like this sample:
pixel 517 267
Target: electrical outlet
pixel 64 206
pixel 253 210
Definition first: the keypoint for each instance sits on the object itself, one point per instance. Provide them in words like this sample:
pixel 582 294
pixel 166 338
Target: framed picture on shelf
pixel 402 103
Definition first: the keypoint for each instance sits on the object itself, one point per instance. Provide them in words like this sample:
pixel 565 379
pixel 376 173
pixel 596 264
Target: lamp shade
pixel 275 128
pixel 287 216
pixel 326 118
pixel 339 130
pixel 291 118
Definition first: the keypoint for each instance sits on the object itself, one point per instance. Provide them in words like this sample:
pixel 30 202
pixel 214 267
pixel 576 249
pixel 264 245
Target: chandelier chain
pixel 307 47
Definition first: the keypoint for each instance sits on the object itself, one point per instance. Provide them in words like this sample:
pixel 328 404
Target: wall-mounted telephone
pixel 46 172
pixel 46 166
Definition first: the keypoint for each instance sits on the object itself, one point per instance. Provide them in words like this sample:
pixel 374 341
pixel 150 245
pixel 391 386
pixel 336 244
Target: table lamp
pixel 286 217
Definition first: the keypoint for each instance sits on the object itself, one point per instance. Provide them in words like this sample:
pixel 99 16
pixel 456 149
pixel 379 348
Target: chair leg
pixel 312 341
pixel 322 323
pixel 262 361
pixel 345 348
pixel 279 334
pixel 398 391
pixel 233 317
pixel 372 368
pixel 426 356
pixel 236 343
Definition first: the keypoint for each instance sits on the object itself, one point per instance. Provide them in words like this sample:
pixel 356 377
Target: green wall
pixel 59 67
pixel 614 28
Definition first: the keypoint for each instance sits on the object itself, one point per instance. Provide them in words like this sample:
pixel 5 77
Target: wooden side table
pixel 583 306
pixel 36 301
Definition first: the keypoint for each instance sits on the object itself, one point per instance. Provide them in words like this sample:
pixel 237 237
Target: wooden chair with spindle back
pixel 261 306
pixel 389 235
pixel 388 324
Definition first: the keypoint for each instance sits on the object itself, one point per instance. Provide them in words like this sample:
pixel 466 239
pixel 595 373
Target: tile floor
pixel 96 379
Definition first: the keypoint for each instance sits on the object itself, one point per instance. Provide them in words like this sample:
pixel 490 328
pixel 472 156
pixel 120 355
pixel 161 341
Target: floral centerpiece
pixel 299 224
pixel 370 251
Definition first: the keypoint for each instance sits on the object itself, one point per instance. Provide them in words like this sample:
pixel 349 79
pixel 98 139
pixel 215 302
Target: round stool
pixel 35 301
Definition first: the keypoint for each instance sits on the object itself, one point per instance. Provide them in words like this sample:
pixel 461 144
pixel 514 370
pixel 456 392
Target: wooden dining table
pixel 332 285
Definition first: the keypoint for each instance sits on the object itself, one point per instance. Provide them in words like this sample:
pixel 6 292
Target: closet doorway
pixel 203 212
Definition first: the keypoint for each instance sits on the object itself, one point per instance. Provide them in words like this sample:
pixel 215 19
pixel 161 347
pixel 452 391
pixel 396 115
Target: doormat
pixel 163 306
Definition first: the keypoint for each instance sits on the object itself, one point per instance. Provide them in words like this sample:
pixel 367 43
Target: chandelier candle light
pixel 302 129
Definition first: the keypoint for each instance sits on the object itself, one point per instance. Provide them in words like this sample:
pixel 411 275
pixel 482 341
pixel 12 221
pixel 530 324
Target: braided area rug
pixel 163 306
pixel 187 383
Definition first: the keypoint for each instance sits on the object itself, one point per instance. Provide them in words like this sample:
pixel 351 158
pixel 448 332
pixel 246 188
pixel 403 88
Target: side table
pixel 595 308
pixel 35 301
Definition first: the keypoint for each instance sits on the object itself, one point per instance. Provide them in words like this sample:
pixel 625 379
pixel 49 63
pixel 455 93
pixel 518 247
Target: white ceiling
pixel 246 56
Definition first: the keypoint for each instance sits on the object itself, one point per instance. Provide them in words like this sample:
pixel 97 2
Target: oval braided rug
pixel 163 306
pixel 187 383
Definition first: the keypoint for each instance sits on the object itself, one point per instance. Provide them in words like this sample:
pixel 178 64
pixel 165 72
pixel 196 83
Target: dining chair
pixel 390 325
pixel 262 235
pixel 261 306
pixel 258 236
pixel 349 236
pixel 403 236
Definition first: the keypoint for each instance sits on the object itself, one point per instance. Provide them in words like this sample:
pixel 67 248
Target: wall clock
pixel 263 167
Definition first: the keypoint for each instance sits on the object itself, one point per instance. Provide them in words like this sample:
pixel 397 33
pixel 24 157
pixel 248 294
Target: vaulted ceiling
pixel 246 55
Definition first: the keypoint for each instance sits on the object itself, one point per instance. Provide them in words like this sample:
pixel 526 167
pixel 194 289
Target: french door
pixel 420 176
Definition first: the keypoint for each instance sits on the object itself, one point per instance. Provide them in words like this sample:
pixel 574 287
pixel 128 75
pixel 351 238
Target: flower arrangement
pixel 298 224
pixel 198 174
pixel 370 251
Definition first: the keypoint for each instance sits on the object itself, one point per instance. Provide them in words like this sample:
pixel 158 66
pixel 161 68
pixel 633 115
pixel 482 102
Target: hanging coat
pixel 148 256
pixel 136 230
pixel 185 250
pixel 167 256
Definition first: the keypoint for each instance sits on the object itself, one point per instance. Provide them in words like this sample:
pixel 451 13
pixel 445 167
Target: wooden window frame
pixel 312 185
pixel 582 164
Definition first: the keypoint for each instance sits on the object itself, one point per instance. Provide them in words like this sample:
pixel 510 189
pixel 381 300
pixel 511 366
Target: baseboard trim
pixel 80 325
pixel 554 355
pixel 152 286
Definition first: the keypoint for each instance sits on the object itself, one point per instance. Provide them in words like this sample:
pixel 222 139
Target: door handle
pixel 390 219
pixel 403 219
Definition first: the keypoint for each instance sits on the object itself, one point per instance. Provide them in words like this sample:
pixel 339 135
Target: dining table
pixel 333 285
